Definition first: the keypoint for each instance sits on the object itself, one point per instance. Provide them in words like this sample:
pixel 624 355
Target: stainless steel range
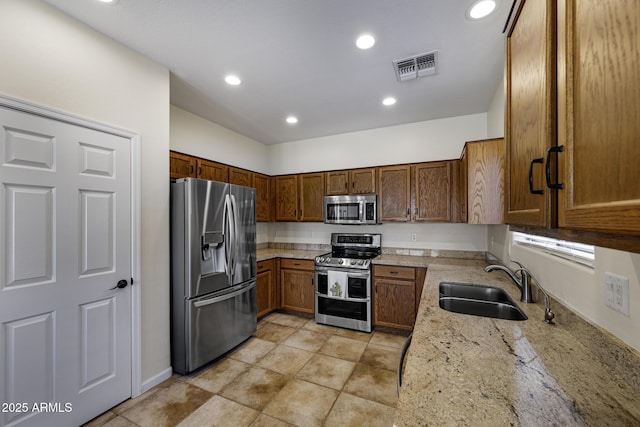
pixel 343 281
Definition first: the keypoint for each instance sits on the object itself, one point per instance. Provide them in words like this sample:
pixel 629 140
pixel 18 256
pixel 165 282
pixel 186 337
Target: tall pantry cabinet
pixel 573 66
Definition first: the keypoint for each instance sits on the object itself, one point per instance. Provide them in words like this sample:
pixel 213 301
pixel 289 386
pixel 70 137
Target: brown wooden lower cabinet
pixel 396 295
pixel 296 282
pixel 266 287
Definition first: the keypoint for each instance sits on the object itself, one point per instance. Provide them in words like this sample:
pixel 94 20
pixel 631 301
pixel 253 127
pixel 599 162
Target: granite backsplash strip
pixel 433 253
pixel 300 246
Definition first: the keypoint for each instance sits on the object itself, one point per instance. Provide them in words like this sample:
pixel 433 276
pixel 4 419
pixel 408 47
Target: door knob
pixel 121 284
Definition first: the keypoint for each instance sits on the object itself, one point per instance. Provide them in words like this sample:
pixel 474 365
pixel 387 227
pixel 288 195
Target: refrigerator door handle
pixel 234 216
pixel 227 239
pixel 242 289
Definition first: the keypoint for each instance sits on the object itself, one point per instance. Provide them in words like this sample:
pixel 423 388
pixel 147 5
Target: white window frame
pixel 575 252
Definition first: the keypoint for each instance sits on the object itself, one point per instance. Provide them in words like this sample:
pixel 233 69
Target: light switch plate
pixel 617 293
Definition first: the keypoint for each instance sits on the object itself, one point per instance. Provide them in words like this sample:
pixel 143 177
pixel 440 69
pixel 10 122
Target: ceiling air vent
pixel 415 66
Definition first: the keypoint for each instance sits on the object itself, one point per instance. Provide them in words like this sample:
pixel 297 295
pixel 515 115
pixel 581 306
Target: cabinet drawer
pixel 407 273
pixel 297 264
pixel 265 265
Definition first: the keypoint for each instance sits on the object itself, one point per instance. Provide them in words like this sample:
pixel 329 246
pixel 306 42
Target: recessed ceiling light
pixel 481 8
pixel 389 101
pixel 292 120
pixel 108 1
pixel 365 41
pixel 232 80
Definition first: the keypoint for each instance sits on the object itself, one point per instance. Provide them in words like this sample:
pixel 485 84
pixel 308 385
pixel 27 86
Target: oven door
pixel 354 310
pixel 358 283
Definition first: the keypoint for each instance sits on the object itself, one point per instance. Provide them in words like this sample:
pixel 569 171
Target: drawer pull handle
pixel 393 272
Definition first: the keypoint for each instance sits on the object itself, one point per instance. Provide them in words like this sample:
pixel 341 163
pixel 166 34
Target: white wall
pixel 54 61
pixel 495 115
pixel 440 139
pixel 191 134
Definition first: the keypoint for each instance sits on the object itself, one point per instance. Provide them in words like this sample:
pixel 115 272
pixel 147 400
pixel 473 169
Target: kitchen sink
pixel 479 300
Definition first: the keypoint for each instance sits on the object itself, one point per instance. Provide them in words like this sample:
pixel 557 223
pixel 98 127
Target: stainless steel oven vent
pixel 424 64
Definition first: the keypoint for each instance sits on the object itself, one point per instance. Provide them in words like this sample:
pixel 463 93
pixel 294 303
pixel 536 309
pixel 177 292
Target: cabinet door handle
pixel 191 170
pixel 531 190
pixel 559 149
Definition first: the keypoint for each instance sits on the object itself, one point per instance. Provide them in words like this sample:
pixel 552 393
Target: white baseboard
pixel 156 379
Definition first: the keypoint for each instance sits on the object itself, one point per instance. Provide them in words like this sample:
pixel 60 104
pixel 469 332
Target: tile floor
pixel 292 372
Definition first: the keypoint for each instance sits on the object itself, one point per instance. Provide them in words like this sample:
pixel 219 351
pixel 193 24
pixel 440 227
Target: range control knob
pixel 361 262
pixel 353 262
pixel 340 261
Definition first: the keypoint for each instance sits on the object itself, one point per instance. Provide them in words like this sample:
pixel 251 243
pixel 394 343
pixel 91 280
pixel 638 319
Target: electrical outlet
pixel 414 237
pixel 617 293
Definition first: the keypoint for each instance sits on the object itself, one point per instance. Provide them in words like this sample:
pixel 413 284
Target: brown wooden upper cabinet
pixel 263 197
pixel 240 177
pixel 482 182
pixel 585 177
pixel 354 181
pixel 394 193
pixel 286 197
pixel 432 191
pixel 599 116
pixel 181 166
pixel 299 197
pixel 213 171
pixel 530 113
pixel 311 190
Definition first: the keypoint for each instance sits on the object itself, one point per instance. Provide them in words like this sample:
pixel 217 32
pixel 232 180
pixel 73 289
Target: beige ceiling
pixel 299 57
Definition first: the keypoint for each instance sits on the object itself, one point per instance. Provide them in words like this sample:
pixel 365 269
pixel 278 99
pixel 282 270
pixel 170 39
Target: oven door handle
pixel 357 276
pixel 348 299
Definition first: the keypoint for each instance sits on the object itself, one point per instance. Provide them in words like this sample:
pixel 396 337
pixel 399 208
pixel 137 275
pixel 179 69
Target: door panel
pixel 29 355
pixel 97 342
pixel 66 231
pixel 30 245
pixel 97 227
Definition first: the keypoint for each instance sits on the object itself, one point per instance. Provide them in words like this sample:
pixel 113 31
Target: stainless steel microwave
pixel 356 209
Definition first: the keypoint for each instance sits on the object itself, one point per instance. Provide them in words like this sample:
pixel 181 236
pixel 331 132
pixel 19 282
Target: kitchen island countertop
pixel 464 370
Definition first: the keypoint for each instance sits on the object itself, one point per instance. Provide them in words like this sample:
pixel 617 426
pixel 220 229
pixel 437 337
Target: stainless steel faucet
pixel 524 284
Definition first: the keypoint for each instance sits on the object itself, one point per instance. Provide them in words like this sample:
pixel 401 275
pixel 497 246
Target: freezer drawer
pixel 216 324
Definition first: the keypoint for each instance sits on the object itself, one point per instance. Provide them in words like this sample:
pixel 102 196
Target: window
pixel 575 252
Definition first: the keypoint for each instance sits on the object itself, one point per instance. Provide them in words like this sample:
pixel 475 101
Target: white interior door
pixel 65 233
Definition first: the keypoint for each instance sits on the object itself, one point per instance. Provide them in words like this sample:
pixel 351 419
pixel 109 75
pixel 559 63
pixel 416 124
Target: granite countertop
pixel 466 370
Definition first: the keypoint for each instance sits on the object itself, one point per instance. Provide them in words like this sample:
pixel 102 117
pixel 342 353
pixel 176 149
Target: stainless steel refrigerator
pixel 213 270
